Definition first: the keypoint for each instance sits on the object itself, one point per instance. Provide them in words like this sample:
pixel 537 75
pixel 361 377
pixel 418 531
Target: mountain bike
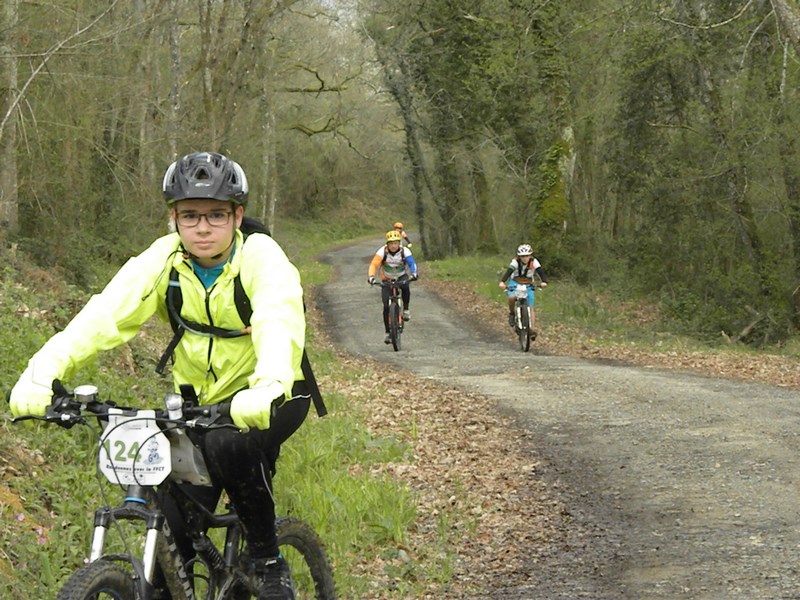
pixel 147 452
pixel 395 309
pixel 522 316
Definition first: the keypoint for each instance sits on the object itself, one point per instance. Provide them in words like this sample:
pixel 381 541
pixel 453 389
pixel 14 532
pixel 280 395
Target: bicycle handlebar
pixel 70 408
pixel 391 282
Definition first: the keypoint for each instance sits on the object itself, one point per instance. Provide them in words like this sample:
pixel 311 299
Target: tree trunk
pixel 789 18
pixel 397 83
pixel 144 72
pixel 735 179
pixel 486 242
pixel 207 73
pixel 175 77
pixel 8 135
pixel 269 171
pixel 447 197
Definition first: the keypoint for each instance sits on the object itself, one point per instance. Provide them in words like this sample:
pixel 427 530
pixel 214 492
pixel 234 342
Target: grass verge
pixel 592 317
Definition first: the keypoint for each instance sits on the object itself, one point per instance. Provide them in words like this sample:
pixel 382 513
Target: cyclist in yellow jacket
pixel 260 373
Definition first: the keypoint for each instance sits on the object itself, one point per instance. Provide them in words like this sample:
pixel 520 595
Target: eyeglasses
pixel 215 218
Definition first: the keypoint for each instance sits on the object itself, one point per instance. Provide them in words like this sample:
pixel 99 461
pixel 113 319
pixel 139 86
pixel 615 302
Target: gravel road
pixel 679 486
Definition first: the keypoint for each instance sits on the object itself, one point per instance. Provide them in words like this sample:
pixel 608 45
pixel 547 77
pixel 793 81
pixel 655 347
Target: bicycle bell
pixel 86 393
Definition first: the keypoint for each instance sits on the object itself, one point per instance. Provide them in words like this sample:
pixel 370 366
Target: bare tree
pixel 8 136
pixel 789 18
pixel 175 81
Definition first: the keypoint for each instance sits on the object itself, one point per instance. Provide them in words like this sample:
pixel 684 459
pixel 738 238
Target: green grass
pixel 599 315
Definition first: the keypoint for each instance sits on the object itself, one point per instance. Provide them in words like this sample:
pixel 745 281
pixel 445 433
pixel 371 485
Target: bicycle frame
pixel 395 314
pixel 396 298
pixel 144 450
pixel 150 455
pixel 159 548
pixel 523 316
pixel 520 302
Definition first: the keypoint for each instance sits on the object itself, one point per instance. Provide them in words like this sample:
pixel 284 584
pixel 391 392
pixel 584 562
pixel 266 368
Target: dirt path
pixel 677 485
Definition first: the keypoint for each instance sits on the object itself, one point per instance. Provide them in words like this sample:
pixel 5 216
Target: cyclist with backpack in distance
pixel 392 261
pixel 521 270
pixel 256 361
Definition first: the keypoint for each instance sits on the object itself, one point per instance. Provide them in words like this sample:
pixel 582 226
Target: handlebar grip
pixel 208 411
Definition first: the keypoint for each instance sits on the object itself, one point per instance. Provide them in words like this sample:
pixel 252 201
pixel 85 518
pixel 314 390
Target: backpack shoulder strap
pixel 402 253
pixel 313 387
pixel 174 299
pixel 242 301
pixel 174 304
pixel 245 310
pixel 521 269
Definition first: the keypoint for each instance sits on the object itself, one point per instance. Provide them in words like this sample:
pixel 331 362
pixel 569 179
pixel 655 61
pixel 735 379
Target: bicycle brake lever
pixel 62 418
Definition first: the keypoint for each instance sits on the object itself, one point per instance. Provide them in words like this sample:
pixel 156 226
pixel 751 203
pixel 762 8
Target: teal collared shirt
pixel 209 276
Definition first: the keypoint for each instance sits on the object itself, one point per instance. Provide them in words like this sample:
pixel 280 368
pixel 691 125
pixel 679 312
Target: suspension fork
pixel 133 508
pixel 521 305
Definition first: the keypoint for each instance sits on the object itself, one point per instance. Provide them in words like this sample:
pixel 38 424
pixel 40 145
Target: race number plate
pixel 134 450
pixel 521 291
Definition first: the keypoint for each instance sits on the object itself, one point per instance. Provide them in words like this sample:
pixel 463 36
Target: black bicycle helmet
pixel 202 175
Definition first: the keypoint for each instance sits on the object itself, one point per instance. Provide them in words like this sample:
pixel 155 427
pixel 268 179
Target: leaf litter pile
pixel 473 470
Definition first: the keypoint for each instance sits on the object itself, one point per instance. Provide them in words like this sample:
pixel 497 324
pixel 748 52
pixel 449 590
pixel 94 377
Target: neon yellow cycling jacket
pixel 215 367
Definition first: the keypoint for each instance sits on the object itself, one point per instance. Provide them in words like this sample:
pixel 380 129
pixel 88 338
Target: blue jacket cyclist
pixel 521 270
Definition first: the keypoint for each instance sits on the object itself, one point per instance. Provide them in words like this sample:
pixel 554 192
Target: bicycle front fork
pixel 134 508
pixel 518 313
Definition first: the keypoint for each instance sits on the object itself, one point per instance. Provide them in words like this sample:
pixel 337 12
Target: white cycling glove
pixel 252 408
pixel 30 397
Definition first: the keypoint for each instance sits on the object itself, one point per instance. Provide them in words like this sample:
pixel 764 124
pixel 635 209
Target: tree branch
pixel 323 87
pixel 47 56
pixel 713 25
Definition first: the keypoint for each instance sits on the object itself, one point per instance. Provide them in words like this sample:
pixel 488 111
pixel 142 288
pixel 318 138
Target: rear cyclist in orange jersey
pixel 405 240
pixel 392 261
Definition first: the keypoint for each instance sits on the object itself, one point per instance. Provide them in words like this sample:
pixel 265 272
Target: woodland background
pixel 646 146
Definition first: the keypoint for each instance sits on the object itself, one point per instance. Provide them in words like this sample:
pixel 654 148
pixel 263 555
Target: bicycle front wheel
pixel 395 328
pixel 303 550
pixel 524 331
pixel 100 580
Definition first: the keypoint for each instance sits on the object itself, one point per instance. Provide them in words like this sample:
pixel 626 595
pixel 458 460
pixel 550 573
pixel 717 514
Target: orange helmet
pixel 393 236
pixel 398 225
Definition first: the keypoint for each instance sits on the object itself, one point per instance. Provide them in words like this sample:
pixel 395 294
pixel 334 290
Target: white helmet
pixel 524 250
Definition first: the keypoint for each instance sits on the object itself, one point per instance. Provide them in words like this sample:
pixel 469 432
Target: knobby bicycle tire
pixel 395 329
pixel 100 580
pixel 524 331
pixel 305 553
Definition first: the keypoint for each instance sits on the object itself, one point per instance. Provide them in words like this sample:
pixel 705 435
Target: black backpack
pixel 180 325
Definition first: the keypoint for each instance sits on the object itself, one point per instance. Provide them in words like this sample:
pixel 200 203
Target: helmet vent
pixel 205 175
